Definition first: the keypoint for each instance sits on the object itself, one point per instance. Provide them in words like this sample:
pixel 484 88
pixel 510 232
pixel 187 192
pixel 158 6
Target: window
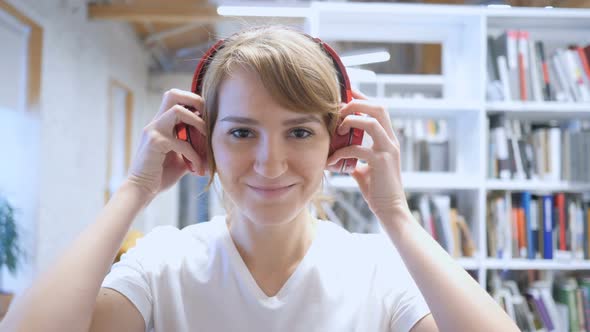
pixel 119 136
pixel 22 62
pixel 13 64
pixel 19 134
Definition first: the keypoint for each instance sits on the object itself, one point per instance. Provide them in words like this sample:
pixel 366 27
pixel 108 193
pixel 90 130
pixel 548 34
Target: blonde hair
pixel 294 69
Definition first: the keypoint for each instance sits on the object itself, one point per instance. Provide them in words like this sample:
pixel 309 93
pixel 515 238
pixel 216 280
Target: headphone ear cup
pixel 338 142
pixel 353 137
pixel 199 142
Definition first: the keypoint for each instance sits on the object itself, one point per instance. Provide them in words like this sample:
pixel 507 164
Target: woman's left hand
pixel 380 178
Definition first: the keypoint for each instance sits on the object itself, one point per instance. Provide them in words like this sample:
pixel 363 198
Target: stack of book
pixel 440 218
pixel 424 144
pixel 350 210
pixel 573 303
pixel 523 225
pixel 545 306
pixel 543 151
pixel 522 69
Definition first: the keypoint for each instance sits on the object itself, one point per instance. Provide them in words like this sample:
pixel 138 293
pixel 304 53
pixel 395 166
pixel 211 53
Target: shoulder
pixel 168 245
pixel 377 246
pixel 378 251
pixel 374 249
pixel 371 256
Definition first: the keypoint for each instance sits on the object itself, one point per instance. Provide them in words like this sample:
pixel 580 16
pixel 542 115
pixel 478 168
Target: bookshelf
pixel 537 264
pixel 541 110
pixel 417 181
pixel 462 31
pixel 537 185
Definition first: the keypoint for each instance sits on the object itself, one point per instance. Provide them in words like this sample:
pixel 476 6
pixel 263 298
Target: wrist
pixel 385 209
pixel 143 194
pixel 396 219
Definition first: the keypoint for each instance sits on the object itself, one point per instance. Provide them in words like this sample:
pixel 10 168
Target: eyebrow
pixel 290 122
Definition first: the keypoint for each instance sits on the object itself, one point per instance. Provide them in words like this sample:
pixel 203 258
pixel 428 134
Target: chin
pixel 267 210
pixel 269 215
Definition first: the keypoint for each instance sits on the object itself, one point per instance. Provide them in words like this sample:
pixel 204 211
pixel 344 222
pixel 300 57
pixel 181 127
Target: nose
pixel 271 158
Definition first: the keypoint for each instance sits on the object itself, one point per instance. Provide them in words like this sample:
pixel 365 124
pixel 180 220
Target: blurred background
pixel 80 79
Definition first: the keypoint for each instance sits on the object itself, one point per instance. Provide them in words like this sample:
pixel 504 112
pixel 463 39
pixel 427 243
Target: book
pixel 506 45
pixel 541 150
pixel 500 141
pixel 547 227
pixel 440 217
pixel 526 206
pixel 521 68
pixel 540 51
pixel 523 65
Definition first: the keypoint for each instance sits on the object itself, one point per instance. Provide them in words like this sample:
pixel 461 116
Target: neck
pixel 272 248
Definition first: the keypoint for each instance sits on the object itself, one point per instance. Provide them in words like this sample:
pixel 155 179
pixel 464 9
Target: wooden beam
pixel 168 14
pixel 572 3
pixel 188 27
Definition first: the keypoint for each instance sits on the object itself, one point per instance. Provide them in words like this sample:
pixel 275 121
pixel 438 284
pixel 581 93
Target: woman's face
pixel 270 160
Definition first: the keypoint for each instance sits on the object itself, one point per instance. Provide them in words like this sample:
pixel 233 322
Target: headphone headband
pixel 343 80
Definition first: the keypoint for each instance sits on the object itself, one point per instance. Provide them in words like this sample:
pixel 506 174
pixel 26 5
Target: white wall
pixel 79 60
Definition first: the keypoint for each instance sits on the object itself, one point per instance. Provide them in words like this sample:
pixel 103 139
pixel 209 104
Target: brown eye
pixel 302 133
pixel 240 133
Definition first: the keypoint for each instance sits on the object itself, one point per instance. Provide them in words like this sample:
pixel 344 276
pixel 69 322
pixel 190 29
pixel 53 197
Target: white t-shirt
pixel 194 279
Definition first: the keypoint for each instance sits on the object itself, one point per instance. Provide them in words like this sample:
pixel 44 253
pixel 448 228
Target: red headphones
pixel 199 141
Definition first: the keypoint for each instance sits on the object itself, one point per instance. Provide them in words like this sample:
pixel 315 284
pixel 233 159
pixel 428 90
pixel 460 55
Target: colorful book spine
pixel 547 227
pixel 560 206
pixel 526 205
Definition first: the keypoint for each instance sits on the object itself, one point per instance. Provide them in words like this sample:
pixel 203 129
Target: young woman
pixel 269 108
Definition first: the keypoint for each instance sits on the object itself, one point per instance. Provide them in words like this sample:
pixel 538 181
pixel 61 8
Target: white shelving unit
pixel 536 110
pixel 462 32
pixel 537 185
pixel 418 181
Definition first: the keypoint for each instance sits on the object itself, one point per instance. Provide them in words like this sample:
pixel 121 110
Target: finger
pixel 376 111
pixel 360 174
pixel 358 95
pixel 352 151
pixel 178 114
pixel 189 153
pixel 176 96
pixel 381 140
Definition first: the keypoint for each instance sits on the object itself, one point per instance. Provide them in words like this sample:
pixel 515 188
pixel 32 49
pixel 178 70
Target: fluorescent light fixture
pixel 548 7
pixel 499 6
pixel 365 58
pixel 266 11
pixel 361 75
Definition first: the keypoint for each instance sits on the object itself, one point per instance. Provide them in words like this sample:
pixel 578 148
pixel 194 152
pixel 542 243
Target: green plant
pixel 10 251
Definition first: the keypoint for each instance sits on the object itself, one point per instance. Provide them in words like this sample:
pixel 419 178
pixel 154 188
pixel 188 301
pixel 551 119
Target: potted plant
pixel 10 251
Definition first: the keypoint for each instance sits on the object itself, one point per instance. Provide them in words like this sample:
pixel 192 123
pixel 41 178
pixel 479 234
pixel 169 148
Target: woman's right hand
pixel 158 163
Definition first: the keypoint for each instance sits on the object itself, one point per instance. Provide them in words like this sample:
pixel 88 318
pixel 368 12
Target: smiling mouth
pixel 270 188
pixel 271 192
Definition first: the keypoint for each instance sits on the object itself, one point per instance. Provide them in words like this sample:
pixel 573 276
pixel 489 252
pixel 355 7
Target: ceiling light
pixel 365 58
pixel 267 11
